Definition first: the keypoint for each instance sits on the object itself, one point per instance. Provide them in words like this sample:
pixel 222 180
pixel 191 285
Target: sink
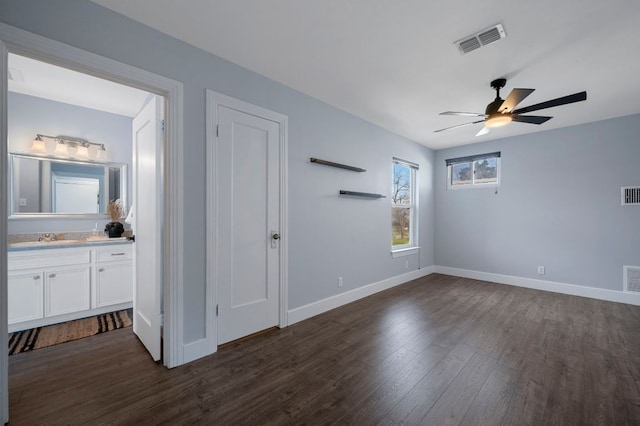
pixel 44 243
pixel 105 239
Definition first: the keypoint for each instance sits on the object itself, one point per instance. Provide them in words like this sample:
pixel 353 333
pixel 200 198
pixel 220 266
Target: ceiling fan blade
pixel 466 114
pixel 483 131
pixel 576 97
pixel 459 125
pixel 515 97
pixel 531 119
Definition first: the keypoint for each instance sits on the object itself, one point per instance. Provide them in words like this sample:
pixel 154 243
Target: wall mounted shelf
pixel 361 194
pixel 338 165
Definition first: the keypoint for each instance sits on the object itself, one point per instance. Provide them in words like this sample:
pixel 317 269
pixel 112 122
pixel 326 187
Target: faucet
pixel 47 237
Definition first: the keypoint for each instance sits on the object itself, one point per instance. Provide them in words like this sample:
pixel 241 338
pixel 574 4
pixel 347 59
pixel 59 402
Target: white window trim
pixel 474 185
pixel 413 246
pixel 405 251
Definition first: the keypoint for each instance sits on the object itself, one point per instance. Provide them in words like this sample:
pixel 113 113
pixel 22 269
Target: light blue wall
pixel 29 115
pixel 558 206
pixel 328 237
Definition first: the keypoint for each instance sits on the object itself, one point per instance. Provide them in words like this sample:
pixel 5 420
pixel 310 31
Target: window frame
pixel 473 159
pixel 412 246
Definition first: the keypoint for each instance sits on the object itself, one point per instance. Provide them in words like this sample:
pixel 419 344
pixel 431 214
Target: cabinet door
pixel 67 290
pixel 26 297
pixel 114 284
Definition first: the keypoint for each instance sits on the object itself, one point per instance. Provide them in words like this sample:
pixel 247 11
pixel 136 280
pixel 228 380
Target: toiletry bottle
pixel 95 232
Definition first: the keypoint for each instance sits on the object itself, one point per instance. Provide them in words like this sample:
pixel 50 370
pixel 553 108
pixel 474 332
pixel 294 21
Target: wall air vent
pixel 482 38
pixel 631 278
pixel 630 195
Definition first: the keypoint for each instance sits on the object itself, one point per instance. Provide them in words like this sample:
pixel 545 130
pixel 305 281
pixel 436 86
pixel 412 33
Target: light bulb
pixel 102 154
pixel 497 120
pixel 38 146
pixel 61 150
pixel 83 152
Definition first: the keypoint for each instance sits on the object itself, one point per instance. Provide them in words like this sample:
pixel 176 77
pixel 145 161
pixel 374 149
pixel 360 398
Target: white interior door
pixel 76 195
pixel 147 225
pixel 248 170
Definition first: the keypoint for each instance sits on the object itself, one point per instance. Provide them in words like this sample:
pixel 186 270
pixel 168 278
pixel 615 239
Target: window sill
pixel 404 252
pixel 476 186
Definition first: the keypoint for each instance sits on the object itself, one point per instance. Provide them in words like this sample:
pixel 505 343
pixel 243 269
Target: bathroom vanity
pixel 59 281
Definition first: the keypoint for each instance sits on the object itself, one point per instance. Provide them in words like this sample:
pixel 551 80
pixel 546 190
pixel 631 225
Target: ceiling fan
pixel 501 112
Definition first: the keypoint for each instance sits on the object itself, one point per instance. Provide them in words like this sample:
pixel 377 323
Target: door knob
pixel 274 239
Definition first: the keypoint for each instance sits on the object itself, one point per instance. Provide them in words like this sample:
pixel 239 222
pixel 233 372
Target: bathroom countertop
pixel 58 244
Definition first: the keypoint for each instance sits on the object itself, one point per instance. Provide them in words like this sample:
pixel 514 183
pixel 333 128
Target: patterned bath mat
pixel 41 337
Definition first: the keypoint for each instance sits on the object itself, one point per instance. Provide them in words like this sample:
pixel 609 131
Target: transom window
pixel 473 171
pixel 404 205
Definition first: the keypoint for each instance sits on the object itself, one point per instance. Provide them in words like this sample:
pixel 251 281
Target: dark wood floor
pixel 436 351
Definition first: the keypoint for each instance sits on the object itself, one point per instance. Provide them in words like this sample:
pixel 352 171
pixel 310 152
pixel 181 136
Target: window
pixel 404 203
pixel 473 171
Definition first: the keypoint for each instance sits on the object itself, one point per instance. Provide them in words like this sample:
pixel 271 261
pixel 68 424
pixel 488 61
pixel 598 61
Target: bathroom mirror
pixel 47 186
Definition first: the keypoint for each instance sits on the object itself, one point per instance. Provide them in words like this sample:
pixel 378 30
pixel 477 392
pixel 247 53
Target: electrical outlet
pixel 540 270
pixel 406 264
pixel 339 281
pixel 22 202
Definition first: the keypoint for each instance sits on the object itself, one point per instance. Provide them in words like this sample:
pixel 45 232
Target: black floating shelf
pixel 338 165
pixel 361 194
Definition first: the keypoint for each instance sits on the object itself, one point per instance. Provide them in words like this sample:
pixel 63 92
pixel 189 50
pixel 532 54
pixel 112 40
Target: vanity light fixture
pixel 101 155
pixel 61 150
pixel 68 146
pixel 38 145
pixel 83 151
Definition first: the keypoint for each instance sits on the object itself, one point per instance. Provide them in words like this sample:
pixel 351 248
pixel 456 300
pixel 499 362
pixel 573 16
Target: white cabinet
pixel 67 290
pixel 52 285
pixel 113 281
pixel 26 296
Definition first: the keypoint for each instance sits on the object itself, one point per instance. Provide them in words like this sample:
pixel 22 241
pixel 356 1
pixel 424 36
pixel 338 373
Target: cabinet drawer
pixel 47 258
pixel 112 254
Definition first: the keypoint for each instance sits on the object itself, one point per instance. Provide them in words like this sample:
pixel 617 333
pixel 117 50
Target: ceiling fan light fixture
pixel 497 120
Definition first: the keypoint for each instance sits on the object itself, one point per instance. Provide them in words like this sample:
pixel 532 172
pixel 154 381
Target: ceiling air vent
pixel 631 278
pixel 482 38
pixel 630 195
pixel 15 75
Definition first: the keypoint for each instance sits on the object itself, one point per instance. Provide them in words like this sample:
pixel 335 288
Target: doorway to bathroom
pixel 167 98
pixel 47 106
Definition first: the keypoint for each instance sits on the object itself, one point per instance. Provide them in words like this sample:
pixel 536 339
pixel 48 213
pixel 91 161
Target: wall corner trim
pixel 316 308
pixel 555 287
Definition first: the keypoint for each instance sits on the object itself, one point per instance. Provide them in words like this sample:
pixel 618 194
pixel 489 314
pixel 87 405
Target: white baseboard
pixel 572 289
pixel 324 305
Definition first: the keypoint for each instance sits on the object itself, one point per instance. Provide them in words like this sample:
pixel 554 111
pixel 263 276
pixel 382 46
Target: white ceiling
pixel 394 63
pixel 31 77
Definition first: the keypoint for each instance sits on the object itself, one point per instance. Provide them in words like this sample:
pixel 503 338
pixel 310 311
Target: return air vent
pixel 630 195
pixel 482 38
pixel 631 278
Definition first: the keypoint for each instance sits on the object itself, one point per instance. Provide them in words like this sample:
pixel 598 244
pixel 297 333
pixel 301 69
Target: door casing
pixel 214 100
